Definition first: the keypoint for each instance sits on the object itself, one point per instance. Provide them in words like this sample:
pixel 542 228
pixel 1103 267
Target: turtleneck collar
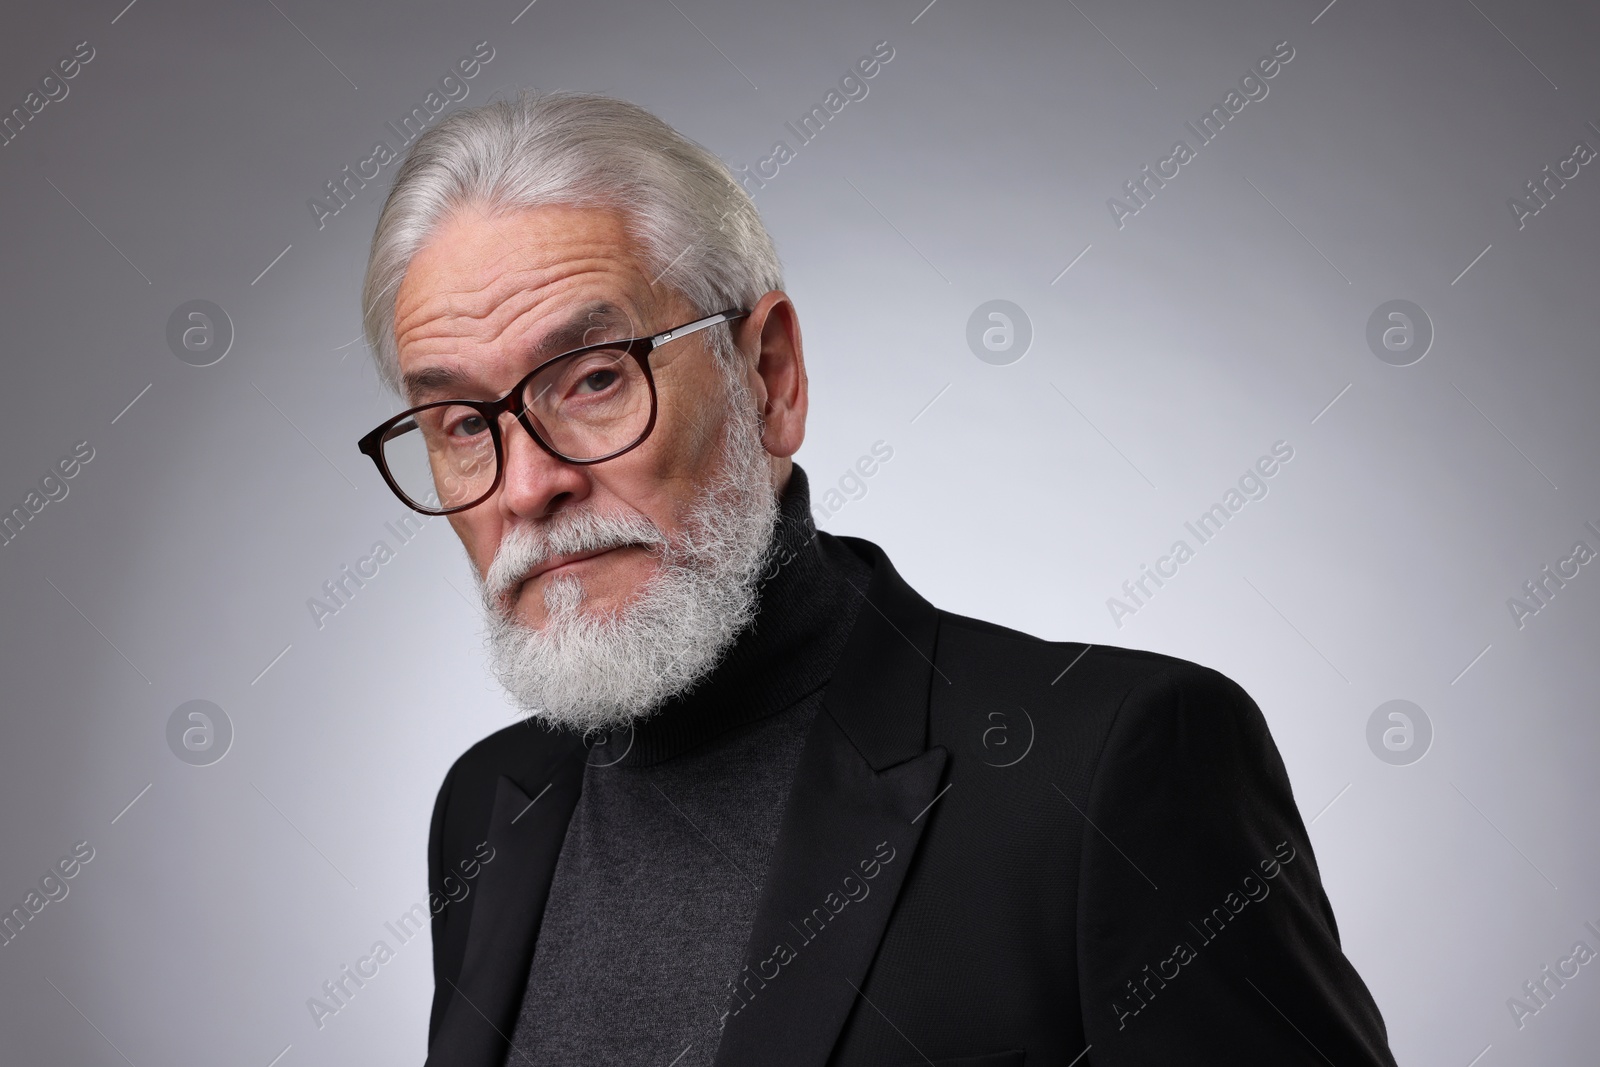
pixel 806 607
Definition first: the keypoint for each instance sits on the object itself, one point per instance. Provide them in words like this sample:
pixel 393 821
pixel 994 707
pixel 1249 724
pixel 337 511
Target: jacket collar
pixel 863 783
pixel 526 828
pixel 851 828
pixel 880 688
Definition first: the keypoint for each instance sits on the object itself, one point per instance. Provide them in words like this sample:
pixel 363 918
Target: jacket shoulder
pixel 1076 701
pixel 1083 668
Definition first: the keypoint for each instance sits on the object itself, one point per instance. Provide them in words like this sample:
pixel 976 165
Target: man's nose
pixel 534 483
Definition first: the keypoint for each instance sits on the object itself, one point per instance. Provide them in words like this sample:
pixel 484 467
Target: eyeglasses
pixel 585 406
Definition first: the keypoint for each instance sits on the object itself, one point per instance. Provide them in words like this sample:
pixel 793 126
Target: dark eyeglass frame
pixel 638 347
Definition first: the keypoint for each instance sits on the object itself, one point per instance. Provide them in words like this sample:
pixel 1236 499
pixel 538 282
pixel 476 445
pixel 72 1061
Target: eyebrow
pixel 428 381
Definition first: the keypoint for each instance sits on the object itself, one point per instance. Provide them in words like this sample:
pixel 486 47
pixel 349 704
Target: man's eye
pixel 470 426
pixel 597 381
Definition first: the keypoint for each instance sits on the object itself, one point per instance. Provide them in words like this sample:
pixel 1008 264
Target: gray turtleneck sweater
pixel 655 889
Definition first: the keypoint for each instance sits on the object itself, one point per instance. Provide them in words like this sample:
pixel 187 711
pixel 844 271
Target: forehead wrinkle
pixel 484 305
pixel 571 331
pixel 561 332
pixel 483 277
pixel 493 318
pixel 456 300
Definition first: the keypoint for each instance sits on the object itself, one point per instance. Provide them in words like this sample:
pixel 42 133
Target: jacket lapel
pixel 854 819
pixel 526 832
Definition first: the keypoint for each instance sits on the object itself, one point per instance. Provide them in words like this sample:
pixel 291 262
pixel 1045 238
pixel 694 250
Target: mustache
pixel 525 547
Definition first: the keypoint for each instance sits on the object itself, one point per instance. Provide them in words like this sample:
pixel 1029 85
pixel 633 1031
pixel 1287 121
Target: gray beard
pixel 597 671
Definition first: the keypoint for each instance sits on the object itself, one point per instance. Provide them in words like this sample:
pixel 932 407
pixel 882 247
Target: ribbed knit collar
pixel 806 608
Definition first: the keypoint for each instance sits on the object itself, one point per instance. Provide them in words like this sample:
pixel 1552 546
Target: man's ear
pixel 771 335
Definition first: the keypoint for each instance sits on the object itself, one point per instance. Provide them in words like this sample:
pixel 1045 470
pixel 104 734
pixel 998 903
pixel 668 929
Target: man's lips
pixel 562 561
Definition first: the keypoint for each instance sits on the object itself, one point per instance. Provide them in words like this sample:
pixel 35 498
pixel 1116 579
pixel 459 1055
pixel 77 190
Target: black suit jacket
pixel 983 861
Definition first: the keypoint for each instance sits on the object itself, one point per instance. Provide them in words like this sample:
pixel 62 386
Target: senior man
pixel 769 805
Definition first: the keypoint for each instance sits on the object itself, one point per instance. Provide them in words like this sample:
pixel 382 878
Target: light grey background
pixel 1227 315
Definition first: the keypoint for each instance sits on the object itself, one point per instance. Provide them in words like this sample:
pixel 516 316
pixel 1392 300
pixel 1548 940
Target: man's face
pixel 489 298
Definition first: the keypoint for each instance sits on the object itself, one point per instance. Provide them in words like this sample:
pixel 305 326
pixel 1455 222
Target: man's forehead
pixel 529 283
pixel 474 261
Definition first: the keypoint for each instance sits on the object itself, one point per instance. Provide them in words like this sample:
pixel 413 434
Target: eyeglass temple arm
pixel 699 324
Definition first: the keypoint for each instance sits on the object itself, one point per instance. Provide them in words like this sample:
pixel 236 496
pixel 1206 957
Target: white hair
pixel 693 222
